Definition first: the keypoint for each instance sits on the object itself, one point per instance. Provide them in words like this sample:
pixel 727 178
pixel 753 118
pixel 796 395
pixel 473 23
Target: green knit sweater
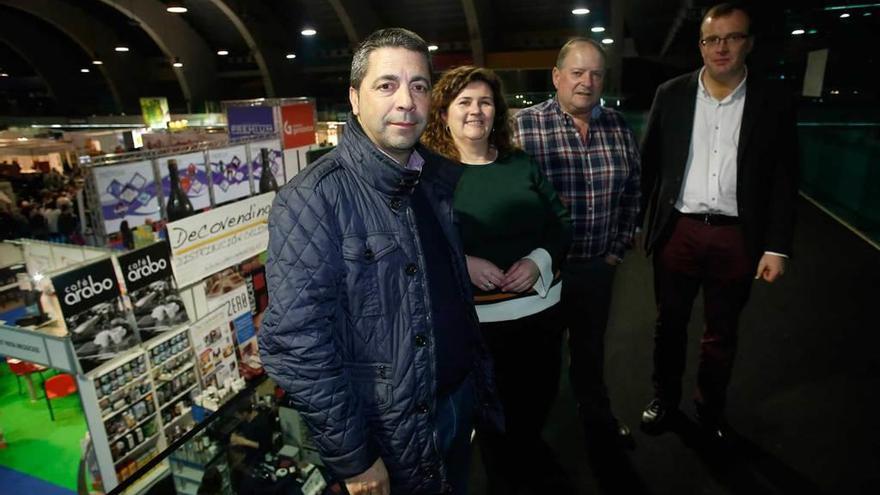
pixel 507 208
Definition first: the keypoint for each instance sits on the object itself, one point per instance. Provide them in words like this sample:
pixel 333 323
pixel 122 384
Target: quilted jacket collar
pixel 384 174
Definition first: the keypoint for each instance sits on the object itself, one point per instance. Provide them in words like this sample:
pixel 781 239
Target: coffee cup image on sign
pixel 158 307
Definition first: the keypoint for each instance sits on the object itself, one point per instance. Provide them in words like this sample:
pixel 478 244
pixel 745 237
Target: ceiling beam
pixel 475 35
pixel 680 17
pixel 176 39
pixel 259 44
pixel 357 18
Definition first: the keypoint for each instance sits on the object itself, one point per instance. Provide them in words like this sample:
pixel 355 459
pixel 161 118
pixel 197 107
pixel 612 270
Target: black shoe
pixel 656 417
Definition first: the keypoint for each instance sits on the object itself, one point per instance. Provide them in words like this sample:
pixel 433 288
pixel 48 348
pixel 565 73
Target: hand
pixel 373 481
pixel 613 259
pixel 521 276
pixel 483 273
pixel 770 267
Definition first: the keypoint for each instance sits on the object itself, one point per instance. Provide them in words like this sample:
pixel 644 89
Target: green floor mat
pixel 36 445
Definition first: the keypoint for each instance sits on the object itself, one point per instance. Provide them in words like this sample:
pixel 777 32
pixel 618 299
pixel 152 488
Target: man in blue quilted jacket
pixel 370 327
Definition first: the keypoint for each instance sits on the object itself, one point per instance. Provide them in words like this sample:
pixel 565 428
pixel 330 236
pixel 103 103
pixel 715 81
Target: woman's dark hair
pixel 437 136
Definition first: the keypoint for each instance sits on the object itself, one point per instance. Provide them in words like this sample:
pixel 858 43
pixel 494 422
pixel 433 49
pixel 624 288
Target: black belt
pixel 712 219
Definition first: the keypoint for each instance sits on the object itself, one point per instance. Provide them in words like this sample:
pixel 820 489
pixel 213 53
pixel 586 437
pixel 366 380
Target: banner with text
pixel 249 121
pixel 299 124
pixel 211 241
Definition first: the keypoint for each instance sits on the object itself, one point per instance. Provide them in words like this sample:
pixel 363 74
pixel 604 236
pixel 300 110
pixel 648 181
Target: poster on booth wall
pixel 150 283
pixel 298 123
pixel 215 351
pixel 276 160
pixel 211 241
pixel 155 112
pixel 127 192
pixel 193 178
pixel 229 173
pixel 246 121
pixel 97 320
pixel 242 290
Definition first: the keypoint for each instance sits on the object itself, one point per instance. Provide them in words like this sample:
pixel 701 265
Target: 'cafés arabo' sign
pixel 142 267
pixel 84 287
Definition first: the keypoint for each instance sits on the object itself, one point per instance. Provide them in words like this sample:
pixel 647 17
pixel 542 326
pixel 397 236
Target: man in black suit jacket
pixel 719 162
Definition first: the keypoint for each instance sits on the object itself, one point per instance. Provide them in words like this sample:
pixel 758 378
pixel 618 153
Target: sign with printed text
pixel 20 345
pixel 249 121
pixel 299 124
pixel 211 241
pixel 214 348
pixel 142 267
pixel 85 287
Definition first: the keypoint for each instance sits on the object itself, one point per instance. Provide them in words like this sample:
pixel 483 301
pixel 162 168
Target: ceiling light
pixel 290 56
pixel 3 74
pixel 797 32
pixel 580 11
pixel 812 31
pixel 597 29
pixel 866 14
pixel 97 62
pixel 308 32
pixel 175 8
pixel 121 48
pixel 222 53
pixel 607 41
pixel 844 15
pixel 433 48
pixel 177 63
pixel 84 70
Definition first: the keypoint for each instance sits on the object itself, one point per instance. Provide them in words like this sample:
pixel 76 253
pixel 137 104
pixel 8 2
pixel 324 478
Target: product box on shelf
pixel 151 288
pixel 214 349
pixel 174 374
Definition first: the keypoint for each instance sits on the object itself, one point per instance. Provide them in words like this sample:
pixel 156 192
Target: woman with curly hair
pixel 515 232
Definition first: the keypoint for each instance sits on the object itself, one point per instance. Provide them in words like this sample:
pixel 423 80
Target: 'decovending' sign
pixel 216 239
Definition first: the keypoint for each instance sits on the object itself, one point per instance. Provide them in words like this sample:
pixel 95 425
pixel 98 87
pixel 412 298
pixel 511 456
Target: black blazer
pixel 767 162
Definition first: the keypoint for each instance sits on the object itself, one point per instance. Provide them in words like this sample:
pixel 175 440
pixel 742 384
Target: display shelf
pixel 127 407
pixel 177 372
pixel 129 430
pixel 137 449
pixel 176 420
pixel 157 366
pixel 198 465
pixel 177 397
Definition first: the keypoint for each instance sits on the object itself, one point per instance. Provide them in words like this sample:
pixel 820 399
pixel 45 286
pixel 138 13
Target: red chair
pixel 24 369
pixel 60 385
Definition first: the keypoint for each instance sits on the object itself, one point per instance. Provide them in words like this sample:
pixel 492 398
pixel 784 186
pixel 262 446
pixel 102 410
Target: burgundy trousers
pixel 699 255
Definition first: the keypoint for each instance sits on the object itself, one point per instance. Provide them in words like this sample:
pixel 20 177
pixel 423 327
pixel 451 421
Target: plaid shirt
pixel 599 181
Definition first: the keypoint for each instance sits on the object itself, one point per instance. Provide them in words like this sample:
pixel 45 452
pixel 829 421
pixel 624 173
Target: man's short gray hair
pixel 563 52
pixel 385 38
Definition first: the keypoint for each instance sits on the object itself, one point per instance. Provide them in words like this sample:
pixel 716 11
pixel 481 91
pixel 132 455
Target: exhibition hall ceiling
pixel 99 56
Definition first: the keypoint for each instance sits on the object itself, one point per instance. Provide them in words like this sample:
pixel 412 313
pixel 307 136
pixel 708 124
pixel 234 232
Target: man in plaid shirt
pixel 591 156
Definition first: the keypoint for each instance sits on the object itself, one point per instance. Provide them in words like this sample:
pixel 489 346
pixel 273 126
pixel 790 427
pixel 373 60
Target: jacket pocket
pixel 372 383
pixel 365 261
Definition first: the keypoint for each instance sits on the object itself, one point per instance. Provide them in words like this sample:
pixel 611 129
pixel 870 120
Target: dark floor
pixel 804 397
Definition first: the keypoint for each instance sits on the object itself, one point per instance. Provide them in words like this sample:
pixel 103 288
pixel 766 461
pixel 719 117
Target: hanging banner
pixel 276 161
pixel 299 124
pixel 204 244
pixel 127 192
pixel 229 173
pixel 97 321
pixel 245 121
pixel 150 283
pixel 193 178
pixel 155 112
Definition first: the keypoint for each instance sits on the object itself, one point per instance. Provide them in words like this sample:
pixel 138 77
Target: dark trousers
pixel 455 422
pixel 527 353
pixel 714 257
pixel 586 300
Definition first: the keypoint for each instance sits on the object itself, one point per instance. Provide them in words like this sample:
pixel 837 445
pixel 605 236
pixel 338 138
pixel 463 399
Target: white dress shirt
pixel 710 175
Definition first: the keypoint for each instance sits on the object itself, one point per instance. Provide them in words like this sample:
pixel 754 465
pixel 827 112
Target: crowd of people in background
pixel 48 214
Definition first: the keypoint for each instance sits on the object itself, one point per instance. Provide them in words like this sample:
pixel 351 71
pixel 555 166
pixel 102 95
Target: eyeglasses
pixel 731 39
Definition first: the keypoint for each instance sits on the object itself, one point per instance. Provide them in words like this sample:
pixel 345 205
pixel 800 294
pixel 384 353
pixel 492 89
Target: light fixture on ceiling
pixel 308 32
pixel 84 70
pixel 607 41
pixel 812 31
pixel 290 56
pixel 433 48
pixel 121 48
pixel 797 32
pixel 175 7
pixel 3 74
pixel 222 53
pixel 177 63
pixel 597 29
pixel 580 11
pixel 844 15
